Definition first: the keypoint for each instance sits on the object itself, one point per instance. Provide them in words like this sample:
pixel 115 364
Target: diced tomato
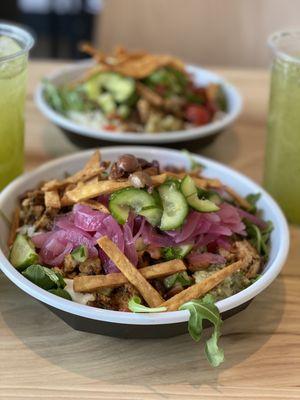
pixel 198 115
pixel 109 127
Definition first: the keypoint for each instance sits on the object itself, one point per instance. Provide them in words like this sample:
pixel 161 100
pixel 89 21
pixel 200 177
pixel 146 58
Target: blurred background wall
pixel 210 32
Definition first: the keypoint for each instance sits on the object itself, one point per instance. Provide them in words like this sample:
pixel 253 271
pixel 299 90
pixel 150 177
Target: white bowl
pixel 129 324
pixel 202 77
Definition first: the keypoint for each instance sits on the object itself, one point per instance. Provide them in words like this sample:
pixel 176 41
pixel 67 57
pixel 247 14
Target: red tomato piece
pixel 198 115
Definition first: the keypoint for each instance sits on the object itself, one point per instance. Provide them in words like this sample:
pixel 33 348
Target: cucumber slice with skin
pixel 189 189
pixel 175 207
pixel 22 253
pixel 152 215
pixel 123 200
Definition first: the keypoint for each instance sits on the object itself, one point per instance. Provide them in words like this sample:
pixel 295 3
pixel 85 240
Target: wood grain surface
pixel 42 358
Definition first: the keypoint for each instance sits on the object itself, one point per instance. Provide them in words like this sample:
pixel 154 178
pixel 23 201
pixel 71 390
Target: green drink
pixel 282 166
pixel 14 46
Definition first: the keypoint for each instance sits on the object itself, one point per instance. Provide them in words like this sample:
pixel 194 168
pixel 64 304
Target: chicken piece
pixel 91 266
pixel 69 264
pixel 144 110
pixel 245 249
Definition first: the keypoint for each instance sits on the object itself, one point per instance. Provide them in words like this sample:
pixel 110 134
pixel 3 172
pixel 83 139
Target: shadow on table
pixel 147 362
pixel 222 146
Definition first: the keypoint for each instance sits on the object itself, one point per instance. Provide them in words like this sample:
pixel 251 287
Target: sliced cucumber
pixel 175 208
pixel 152 215
pixel 107 104
pixel 189 189
pixel 92 87
pixel 139 200
pixel 22 253
pixel 119 86
pixel 214 197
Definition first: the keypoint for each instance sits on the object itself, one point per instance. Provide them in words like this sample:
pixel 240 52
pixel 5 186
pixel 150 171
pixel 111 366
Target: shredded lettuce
pixel 200 310
pixel 134 305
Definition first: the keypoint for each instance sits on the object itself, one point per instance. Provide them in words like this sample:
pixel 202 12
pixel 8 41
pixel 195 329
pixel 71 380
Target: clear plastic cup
pixel 282 164
pixel 15 43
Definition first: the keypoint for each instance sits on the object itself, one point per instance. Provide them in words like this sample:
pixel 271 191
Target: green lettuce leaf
pixel 61 293
pixel 44 277
pixel 200 310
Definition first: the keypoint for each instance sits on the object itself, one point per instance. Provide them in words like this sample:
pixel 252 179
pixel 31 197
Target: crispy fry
pixel 151 296
pixel 240 200
pixel 135 64
pixel 88 191
pixel 14 226
pixel 92 283
pixel 94 161
pixel 91 169
pixel 52 199
pixel 95 205
pixel 80 176
pixel 201 288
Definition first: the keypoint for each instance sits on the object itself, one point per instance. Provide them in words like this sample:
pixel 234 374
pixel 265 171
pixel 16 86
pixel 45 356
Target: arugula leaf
pixel 61 293
pixel 44 277
pixel 193 163
pixel 259 237
pixel 252 199
pixel 80 253
pixel 134 305
pixel 205 309
pixel 181 277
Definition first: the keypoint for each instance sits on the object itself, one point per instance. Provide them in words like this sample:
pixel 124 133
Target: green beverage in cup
pixel 15 44
pixel 282 165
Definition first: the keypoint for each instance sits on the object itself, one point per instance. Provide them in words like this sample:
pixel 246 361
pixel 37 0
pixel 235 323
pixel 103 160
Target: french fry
pixel 151 296
pixel 14 226
pixel 91 169
pixel 94 161
pixel 52 199
pixel 88 191
pixel 91 283
pixel 240 200
pixel 200 289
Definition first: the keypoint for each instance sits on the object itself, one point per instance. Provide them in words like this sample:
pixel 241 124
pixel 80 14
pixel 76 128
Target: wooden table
pixel 42 358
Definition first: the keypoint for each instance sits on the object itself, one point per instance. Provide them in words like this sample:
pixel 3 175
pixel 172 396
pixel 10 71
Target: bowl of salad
pixel 137 97
pixel 141 242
